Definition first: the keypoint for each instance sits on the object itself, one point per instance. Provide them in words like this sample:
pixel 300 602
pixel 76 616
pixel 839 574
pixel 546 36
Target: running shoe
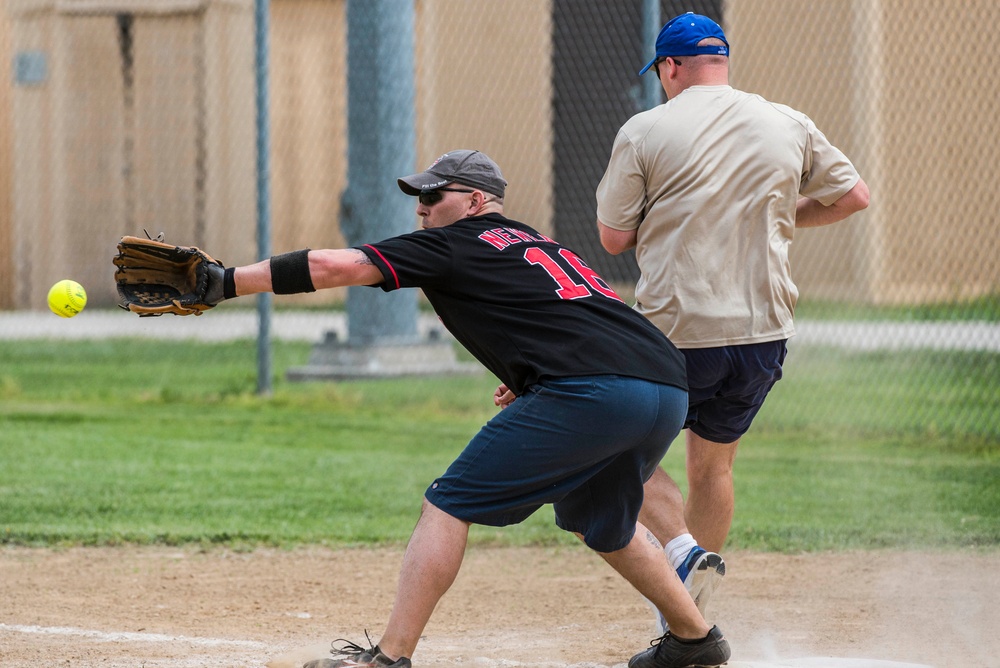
pixel 701 574
pixel 668 651
pixel 348 655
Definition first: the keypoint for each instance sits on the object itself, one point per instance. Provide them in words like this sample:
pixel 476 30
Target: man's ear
pixel 478 200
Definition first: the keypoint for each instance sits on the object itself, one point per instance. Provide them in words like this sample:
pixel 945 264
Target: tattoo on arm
pixel 652 540
pixel 359 257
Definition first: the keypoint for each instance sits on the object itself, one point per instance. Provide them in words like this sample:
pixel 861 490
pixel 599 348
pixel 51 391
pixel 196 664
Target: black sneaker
pixel 349 654
pixel 668 651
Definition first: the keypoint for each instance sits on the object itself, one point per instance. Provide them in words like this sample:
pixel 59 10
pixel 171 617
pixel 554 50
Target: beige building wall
pixel 34 158
pixel 308 90
pixel 809 60
pixel 95 159
pixel 179 156
pixel 230 131
pixel 895 83
pixel 6 169
pixel 165 130
pixel 940 138
pixel 484 73
pixel 459 104
pixel 899 87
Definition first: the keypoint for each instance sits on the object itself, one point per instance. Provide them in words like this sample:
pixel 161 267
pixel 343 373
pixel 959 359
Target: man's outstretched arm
pixel 329 268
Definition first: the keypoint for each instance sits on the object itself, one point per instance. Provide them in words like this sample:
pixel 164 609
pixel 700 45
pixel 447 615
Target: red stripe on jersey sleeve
pixel 387 263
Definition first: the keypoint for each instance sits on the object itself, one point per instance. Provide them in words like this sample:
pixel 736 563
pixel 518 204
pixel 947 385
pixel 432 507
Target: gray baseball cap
pixel 470 168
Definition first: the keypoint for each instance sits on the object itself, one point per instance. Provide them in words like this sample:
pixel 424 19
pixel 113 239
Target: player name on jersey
pixel 502 237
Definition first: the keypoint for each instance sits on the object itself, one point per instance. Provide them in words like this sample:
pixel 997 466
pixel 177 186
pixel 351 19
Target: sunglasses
pixel 656 64
pixel 432 197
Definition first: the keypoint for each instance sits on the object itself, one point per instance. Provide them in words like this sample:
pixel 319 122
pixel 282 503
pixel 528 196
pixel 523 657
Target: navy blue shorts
pixel 728 385
pixel 585 445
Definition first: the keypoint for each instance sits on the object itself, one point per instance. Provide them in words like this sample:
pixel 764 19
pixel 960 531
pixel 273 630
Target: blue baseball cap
pixel 680 37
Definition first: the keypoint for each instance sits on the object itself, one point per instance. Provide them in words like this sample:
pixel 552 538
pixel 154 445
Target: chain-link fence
pixel 124 115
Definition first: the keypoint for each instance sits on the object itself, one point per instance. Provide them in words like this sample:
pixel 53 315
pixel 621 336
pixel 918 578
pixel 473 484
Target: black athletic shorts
pixel 728 385
pixel 585 445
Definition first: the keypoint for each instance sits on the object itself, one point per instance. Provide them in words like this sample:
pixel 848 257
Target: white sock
pixel 677 550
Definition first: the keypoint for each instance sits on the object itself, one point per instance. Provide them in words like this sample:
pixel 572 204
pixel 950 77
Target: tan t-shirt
pixel 710 181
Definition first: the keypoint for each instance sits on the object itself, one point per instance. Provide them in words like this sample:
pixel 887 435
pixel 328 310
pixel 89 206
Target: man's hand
pixel 215 292
pixel 503 397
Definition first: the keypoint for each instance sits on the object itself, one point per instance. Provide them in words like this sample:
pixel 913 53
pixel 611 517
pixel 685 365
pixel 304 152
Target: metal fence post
pixel 261 24
pixel 382 333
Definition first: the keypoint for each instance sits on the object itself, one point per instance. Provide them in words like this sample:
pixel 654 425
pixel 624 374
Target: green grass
pixel 106 442
pixel 814 491
pixel 900 395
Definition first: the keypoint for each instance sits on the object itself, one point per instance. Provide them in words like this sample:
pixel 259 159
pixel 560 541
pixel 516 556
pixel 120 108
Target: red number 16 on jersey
pixel 568 288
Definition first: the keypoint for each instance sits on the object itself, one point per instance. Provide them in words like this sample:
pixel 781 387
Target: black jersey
pixel 525 306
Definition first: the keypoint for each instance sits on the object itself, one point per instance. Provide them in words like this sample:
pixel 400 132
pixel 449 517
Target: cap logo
pixel 440 158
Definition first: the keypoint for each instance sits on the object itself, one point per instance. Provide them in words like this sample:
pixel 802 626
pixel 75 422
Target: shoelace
pixel 349 649
pixel 655 642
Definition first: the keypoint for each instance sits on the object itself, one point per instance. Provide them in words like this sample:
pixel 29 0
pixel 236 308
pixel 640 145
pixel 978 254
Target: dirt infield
pixel 519 607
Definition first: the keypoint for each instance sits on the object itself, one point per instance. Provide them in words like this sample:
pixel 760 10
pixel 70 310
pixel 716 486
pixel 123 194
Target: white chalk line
pixel 128 636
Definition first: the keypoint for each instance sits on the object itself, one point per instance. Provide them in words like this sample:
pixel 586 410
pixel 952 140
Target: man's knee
pixel 707 460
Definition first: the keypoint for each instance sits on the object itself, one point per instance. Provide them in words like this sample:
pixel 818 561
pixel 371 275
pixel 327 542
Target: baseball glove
pixel 154 278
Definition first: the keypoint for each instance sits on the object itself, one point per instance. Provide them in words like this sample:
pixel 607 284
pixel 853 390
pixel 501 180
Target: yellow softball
pixel 67 298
